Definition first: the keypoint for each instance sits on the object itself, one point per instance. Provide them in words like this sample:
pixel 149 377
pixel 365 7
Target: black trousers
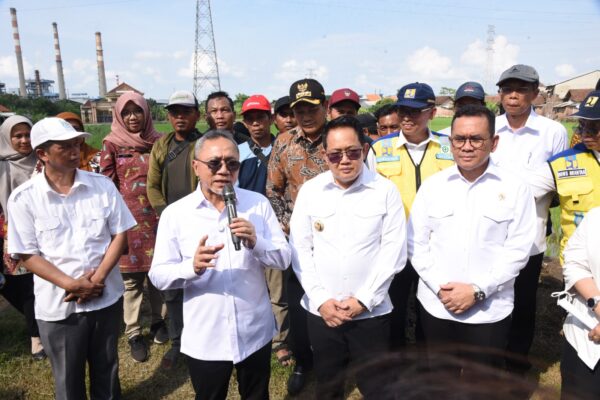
pixel 522 328
pixel 578 381
pixel 471 344
pixel 298 336
pixel 356 342
pixel 210 379
pixel 403 287
pixel 18 291
pixel 174 301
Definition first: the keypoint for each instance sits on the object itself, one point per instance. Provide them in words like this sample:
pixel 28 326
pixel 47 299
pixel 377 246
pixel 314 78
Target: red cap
pixel 256 102
pixel 342 95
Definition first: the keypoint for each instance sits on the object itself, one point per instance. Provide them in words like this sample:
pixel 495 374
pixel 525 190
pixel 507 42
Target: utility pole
pixel 206 68
pixel 489 65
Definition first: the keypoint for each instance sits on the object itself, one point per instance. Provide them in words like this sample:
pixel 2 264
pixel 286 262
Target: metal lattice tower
pixel 206 68
pixel 489 65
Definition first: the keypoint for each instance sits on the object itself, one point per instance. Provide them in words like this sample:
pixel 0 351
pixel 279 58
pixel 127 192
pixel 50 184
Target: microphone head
pixel 228 192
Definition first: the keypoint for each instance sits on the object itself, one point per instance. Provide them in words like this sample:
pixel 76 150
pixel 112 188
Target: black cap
pixel 520 72
pixel 281 102
pixel 308 90
pixel 367 120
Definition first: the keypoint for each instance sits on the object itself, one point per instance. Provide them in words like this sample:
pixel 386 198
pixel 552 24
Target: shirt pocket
pixel 574 193
pixel 389 168
pixel 494 224
pixel 369 221
pixel 95 221
pixel 441 220
pixel 322 220
pixel 47 231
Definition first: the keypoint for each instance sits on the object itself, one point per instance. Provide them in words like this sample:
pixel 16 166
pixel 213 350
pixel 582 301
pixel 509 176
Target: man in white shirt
pixel 69 227
pixel 348 237
pixel 227 314
pixel 527 140
pixel 470 232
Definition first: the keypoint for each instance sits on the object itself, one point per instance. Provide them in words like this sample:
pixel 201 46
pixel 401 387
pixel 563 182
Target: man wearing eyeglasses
pixel 469 234
pixel 297 157
pixel 345 255
pixel 228 322
pixel 526 141
pixel 408 157
pixel 171 177
pixel 574 173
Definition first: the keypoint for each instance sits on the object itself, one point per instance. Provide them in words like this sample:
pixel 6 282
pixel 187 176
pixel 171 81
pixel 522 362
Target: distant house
pixel 444 106
pixel 571 102
pixel 369 100
pixel 96 111
pixel 584 81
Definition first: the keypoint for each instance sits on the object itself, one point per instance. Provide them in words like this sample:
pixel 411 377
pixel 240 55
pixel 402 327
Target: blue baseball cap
pixel 416 95
pixel 589 107
pixel 470 89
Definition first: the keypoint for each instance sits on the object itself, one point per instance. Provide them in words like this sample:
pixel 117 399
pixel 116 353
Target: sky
pixel 263 46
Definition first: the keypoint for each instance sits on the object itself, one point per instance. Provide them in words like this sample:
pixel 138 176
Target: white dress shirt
pixel 416 150
pixel 348 242
pixel 525 149
pixel 70 231
pixel 582 260
pixel 227 313
pixel 471 232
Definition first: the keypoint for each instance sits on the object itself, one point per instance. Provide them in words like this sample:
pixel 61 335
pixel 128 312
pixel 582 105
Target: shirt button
pixel 221 228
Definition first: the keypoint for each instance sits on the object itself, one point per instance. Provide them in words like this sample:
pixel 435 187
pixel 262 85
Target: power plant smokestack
pixel 38 84
pixel 59 68
pixel 13 14
pixel 100 60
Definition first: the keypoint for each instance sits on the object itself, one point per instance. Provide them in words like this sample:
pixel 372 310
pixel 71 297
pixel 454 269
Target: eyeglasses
pixel 412 112
pixel 214 165
pixel 137 113
pixel 591 128
pixel 336 157
pixel 518 89
pixel 475 141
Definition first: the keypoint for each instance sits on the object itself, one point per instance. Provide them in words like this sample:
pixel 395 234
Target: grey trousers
pixel 84 337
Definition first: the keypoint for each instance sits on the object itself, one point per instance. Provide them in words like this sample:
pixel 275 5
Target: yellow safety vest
pixel 396 164
pixel 576 173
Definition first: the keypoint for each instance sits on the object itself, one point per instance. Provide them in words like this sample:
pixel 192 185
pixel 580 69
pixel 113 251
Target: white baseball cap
pixel 53 128
pixel 183 98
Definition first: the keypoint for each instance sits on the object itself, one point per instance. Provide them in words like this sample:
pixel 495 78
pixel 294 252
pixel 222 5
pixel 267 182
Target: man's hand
pixel 205 255
pixel 245 231
pixel 354 307
pixel 457 297
pixel 334 313
pixel 594 334
pixel 83 289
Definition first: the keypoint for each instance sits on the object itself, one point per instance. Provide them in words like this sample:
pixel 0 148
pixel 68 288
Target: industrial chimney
pixel 13 14
pixel 100 60
pixel 59 68
pixel 38 84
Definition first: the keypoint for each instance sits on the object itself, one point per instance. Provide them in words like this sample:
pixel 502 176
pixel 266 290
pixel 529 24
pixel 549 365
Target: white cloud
pixel 225 69
pixel 564 70
pixel 428 64
pixel 8 67
pixel 292 70
pixel 148 55
pixel 505 54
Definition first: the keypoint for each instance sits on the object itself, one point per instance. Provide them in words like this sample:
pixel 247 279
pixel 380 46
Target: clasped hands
pixel 457 297
pixel 205 255
pixel 337 312
pixel 84 288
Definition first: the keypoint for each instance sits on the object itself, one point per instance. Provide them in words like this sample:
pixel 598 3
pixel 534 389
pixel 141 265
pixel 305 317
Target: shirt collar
pixel 597 154
pixel 491 170
pixel 365 178
pixel 81 179
pixel 201 202
pixel 299 135
pixel 532 125
pixel 402 139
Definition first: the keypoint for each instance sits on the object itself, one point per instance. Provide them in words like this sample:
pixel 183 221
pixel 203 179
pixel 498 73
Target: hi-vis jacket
pixel 576 174
pixel 395 163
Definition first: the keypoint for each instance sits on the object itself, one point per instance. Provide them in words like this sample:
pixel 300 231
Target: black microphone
pixel 229 197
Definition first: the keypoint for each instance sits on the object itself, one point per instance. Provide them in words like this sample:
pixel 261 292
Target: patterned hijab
pixel 15 168
pixel 120 136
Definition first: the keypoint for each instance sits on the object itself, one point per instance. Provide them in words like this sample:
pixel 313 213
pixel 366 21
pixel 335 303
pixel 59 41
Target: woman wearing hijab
pixel 124 159
pixel 17 163
pixel 89 155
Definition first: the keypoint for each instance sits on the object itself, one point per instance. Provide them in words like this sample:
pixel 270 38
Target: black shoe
pixel 139 349
pixel 39 356
pixel 169 360
pixel 297 380
pixel 159 333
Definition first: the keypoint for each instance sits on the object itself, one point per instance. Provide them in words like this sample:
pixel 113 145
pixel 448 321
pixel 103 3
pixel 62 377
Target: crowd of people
pixel 308 245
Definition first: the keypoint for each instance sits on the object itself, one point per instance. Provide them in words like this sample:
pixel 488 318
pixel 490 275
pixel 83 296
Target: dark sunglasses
pixel 215 164
pixel 336 156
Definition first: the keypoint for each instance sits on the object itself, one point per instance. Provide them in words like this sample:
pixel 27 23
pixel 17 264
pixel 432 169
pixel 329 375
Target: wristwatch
pixel 478 293
pixel 592 302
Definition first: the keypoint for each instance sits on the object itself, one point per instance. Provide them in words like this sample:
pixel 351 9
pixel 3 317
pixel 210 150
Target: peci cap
pixel 344 95
pixel 256 102
pixel 307 90
pixel 521 72
pixel 367 121
pixel 589 107
pixel 470 89
pixel 281 102
pixel 182 98
pixel 416 95
pixel 53 128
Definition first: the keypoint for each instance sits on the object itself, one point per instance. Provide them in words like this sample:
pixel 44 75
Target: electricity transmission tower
pixel 206 69
pixel 489 65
